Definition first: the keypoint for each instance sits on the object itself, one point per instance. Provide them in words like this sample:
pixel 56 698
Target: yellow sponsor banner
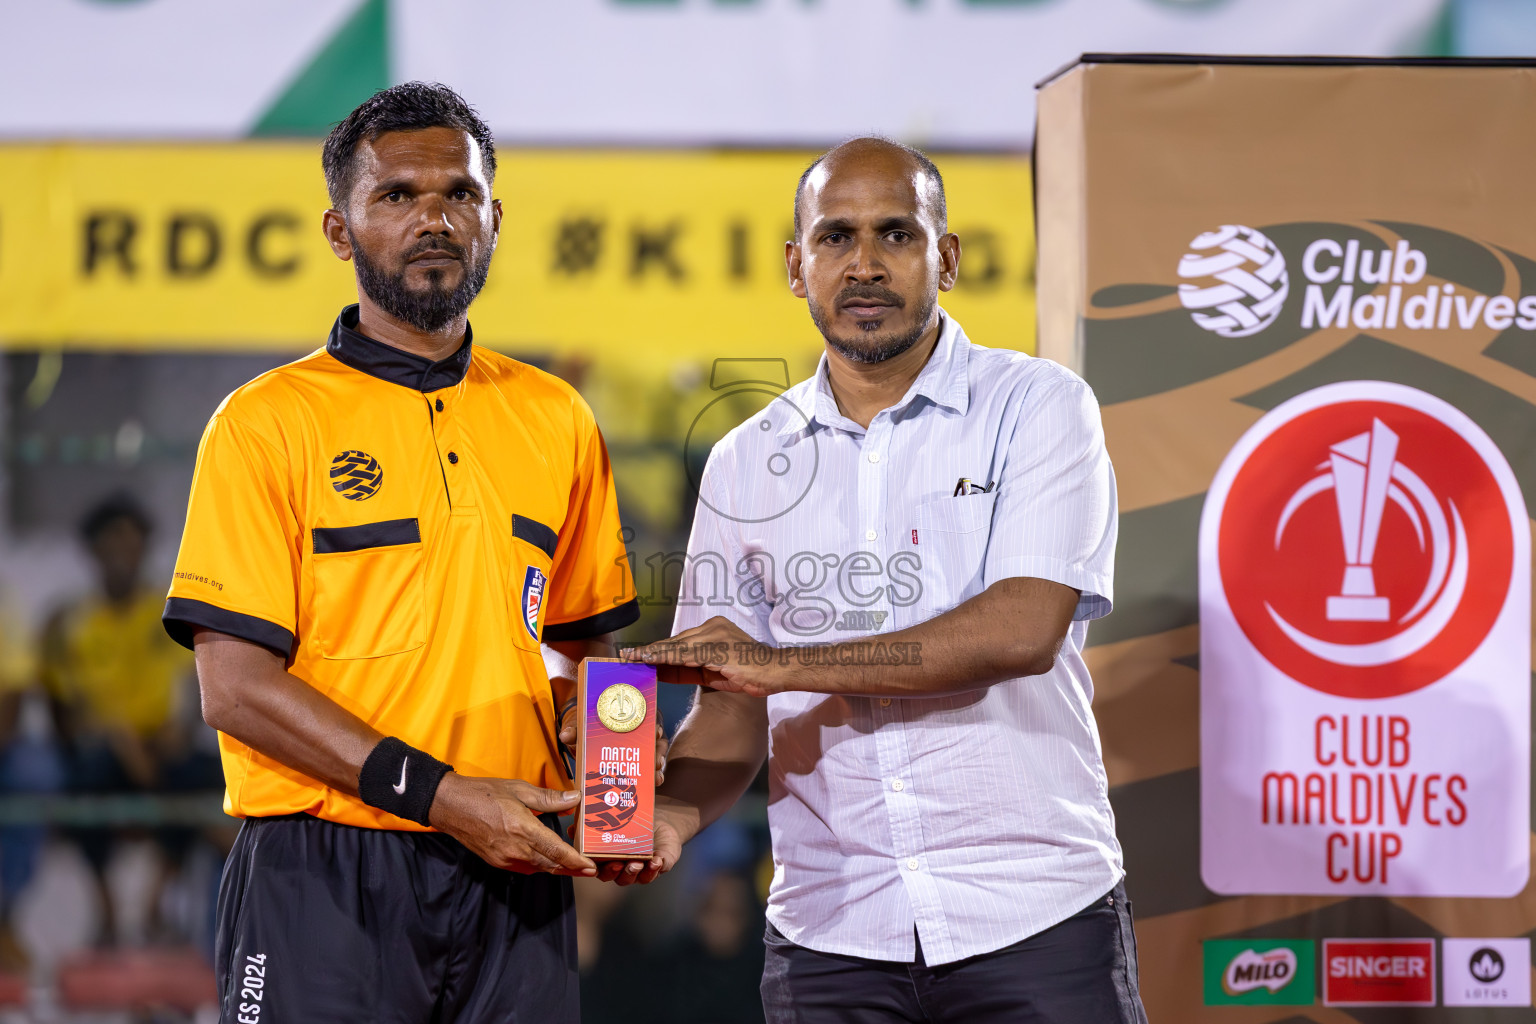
pixel 627 256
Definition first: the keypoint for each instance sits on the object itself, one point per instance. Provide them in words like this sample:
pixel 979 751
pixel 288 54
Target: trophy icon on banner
pixel 1362 471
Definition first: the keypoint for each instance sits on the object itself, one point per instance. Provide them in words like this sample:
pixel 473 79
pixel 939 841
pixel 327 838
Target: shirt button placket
pixel 890 741
pixel 872 489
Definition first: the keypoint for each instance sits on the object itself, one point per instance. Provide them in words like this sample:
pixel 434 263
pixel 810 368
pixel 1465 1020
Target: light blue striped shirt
pixel 979 817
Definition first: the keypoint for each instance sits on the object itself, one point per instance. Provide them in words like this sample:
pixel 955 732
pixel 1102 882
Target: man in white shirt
pixel 901 555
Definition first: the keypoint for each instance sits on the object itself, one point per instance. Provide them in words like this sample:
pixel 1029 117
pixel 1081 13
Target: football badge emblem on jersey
pixel 533 598
pixel 356 475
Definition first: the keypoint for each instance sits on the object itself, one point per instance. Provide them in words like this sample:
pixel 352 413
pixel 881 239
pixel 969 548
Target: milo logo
pixel 1250 970
pixel 1260 971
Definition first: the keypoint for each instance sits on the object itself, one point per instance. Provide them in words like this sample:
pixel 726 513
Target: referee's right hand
pixel 497 819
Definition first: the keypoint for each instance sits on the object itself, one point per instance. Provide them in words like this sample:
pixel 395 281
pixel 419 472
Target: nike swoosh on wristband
pixel 403 766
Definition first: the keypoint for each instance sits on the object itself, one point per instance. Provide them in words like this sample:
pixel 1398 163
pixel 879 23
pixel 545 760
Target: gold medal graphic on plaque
pixel 621 707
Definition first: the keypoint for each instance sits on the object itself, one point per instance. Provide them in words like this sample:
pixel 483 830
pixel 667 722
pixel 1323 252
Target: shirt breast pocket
pixel 370 589
pixel 952 536
pixel 533 556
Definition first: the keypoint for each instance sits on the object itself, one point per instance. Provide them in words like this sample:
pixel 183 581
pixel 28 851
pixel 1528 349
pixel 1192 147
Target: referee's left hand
pixel 568 737
pixel 497 819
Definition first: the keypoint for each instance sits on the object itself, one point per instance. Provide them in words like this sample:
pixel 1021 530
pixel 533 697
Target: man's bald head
pixel 872 250
pixel 875 148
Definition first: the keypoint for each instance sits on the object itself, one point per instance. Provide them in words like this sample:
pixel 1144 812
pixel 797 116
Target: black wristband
pixel 400 779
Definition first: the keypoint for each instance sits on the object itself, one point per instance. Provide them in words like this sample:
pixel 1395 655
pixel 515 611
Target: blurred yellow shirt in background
pixel 18 660
pixel 115 665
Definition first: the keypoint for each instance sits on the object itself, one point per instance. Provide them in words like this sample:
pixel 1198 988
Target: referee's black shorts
pixel 320 923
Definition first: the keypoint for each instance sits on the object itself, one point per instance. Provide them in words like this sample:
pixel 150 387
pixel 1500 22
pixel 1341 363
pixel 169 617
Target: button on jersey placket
pixel 441 407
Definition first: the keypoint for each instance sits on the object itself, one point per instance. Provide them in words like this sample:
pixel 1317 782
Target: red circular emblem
pixel 1365 546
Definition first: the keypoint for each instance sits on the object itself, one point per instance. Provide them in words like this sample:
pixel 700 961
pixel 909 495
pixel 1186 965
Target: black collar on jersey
pixel 392 364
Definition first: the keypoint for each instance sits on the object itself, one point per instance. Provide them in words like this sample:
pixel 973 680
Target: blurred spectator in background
pixel 29 764
pixel 123 694
pixel 719 960
pixel 642 966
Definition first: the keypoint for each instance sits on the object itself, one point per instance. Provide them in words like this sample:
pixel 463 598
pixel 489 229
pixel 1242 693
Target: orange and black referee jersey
pixel 405 533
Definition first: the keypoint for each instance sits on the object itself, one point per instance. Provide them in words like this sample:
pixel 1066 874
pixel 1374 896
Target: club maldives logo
pixel 1234 282
pixel 1388 500
pixel 356 475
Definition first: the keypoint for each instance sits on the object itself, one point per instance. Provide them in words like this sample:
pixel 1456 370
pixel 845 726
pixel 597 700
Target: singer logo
pixel 1397 579
pixel 1379 972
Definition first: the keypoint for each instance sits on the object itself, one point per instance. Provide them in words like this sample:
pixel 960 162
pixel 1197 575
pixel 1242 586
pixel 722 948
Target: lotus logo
pixel 1487 966
pixel 1272 969
pixel 1234 281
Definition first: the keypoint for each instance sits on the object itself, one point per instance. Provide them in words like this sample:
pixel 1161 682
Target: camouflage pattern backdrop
pixel 1217 238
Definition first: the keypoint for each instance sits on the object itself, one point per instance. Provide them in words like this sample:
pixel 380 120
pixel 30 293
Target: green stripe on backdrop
pixel 350 67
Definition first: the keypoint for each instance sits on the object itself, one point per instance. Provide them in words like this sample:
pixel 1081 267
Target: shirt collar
pixel 357 350
pixel 944 380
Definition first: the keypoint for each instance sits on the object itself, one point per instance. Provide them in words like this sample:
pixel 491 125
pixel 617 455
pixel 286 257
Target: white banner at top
pixel 952 73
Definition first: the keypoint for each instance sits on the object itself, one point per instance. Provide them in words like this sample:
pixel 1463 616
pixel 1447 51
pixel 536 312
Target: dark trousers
pixel 322 923
pixel 1081 971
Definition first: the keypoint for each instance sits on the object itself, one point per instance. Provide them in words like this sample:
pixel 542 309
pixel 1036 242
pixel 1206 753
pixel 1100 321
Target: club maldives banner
pixel 1305 295
pixel 1365 653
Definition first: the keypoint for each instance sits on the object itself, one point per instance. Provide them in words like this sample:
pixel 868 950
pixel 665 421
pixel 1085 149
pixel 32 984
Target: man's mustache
pixel 453 249
pixel 869 291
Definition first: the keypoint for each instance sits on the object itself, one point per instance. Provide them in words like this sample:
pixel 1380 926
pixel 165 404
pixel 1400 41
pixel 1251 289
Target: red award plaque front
pixel 616 753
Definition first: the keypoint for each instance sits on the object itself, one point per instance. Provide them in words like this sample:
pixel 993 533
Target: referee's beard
pixel 877 346
pixel 429 309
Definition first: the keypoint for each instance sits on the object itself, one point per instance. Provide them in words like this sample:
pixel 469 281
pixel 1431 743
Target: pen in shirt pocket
pixel 965 486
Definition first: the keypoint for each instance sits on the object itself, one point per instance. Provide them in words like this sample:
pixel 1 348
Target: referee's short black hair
pixel 109 510
pixel 930 171
pixel 401 108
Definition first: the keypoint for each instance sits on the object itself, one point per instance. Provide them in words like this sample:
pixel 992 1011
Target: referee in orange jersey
pixel 396 551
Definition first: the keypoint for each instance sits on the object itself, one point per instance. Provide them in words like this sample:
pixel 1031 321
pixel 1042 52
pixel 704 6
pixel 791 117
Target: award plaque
pixel 616 754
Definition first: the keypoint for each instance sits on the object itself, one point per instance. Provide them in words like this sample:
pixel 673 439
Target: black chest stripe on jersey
pixel 330 540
